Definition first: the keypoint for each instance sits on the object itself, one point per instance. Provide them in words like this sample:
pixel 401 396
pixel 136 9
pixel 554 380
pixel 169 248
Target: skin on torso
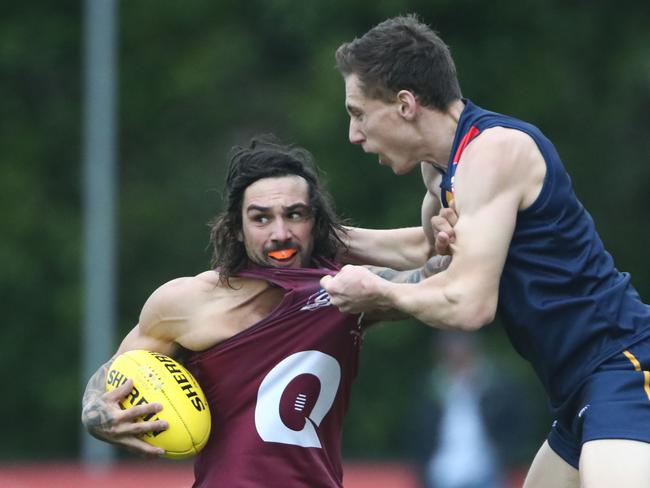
pixel 196 313
pixel 223 312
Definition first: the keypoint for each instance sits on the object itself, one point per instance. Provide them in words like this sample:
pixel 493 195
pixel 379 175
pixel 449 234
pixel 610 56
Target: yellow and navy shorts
pixel 613 403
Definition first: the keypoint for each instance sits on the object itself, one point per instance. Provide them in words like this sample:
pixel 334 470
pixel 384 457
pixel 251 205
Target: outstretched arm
pixel 502 174
pixel 400 249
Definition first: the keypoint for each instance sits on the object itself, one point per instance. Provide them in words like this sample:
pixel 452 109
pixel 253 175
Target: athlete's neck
pixel 439 129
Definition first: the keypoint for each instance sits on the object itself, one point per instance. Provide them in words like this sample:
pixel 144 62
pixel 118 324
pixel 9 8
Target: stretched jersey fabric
pixel 279 391
pixel 565 306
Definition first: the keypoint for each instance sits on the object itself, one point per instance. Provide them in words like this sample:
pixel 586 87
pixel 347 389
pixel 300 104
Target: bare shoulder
pixel 171 305
pixel 185 287
pixel 180 299
pixel 502 144
pixel 506 160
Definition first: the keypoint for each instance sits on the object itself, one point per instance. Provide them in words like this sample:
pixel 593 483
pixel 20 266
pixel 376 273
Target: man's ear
pixel 240 236
pixel 407 103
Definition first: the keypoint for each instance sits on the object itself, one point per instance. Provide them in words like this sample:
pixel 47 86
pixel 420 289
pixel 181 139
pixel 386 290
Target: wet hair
pixel 267 157
pixel 402 53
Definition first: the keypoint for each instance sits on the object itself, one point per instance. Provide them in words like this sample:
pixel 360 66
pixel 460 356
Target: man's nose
pixel 355 135
pixel 281 231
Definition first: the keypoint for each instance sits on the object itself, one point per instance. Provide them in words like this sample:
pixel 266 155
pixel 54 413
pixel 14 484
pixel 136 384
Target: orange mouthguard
pixel 283 253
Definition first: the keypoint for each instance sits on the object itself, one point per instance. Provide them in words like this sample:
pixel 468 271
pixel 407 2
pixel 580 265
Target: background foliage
pixel 197 77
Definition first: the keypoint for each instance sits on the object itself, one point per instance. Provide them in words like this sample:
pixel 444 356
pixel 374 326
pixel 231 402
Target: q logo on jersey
pixel 295 396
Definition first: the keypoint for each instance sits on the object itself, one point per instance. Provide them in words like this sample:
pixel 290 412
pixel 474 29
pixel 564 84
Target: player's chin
pixel 402 168
pixel 385 161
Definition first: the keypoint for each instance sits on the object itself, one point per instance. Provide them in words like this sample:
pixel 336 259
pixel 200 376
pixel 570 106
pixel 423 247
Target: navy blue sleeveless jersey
pixel 565 306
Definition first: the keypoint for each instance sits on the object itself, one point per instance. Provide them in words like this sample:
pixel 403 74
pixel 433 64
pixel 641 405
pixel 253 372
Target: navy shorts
pixel 613 403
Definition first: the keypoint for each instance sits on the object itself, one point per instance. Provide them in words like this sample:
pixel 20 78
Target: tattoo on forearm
pixel 94 413
pixel 433 266
pixel 385 273
pixel 415 276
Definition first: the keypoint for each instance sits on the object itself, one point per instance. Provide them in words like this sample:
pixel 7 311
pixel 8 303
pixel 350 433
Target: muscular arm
pixel 433 266
pixel 101 413
pixel 501 173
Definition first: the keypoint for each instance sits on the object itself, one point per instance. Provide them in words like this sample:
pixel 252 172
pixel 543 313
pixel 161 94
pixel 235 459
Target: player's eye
pixel 356 115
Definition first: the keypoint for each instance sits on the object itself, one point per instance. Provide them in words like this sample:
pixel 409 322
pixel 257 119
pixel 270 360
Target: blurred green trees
pixel 197 77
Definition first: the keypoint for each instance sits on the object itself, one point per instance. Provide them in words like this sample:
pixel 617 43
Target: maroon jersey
pixel 279 391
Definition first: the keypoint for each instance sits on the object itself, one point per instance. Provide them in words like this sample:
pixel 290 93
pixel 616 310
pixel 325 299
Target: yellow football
pixel 160 379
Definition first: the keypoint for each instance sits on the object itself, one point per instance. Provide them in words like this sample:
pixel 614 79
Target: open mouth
pixel 282 254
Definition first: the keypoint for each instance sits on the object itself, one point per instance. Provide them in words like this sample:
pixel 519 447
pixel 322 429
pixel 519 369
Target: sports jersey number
pixel 268 420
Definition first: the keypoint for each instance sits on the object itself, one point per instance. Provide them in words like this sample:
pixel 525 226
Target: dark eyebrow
pixel 290 208
pixel 257 208
pixel 297 206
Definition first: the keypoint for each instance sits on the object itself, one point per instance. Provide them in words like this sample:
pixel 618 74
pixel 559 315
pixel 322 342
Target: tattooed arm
pixel 101 412
pixel 105 420
pixel 434 265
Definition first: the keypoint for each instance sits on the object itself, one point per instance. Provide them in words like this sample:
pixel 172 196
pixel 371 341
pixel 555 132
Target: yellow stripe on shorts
pixel 637 367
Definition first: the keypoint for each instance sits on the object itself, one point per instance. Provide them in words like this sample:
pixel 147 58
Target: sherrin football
pixel 160 379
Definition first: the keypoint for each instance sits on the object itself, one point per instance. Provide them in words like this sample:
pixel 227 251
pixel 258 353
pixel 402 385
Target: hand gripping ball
pixel 160 379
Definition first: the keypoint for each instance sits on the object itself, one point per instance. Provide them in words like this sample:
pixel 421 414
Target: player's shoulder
pixel 505 160
pixel 500 150
pixel 186 285
pixel 178 297
pixel 190 292
pixel 501 139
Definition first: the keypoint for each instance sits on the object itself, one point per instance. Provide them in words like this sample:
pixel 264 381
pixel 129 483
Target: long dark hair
pixel 266 157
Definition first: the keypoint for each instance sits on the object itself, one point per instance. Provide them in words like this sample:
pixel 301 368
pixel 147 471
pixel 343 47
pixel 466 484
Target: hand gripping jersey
pixel 565 306
pixel 279 391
